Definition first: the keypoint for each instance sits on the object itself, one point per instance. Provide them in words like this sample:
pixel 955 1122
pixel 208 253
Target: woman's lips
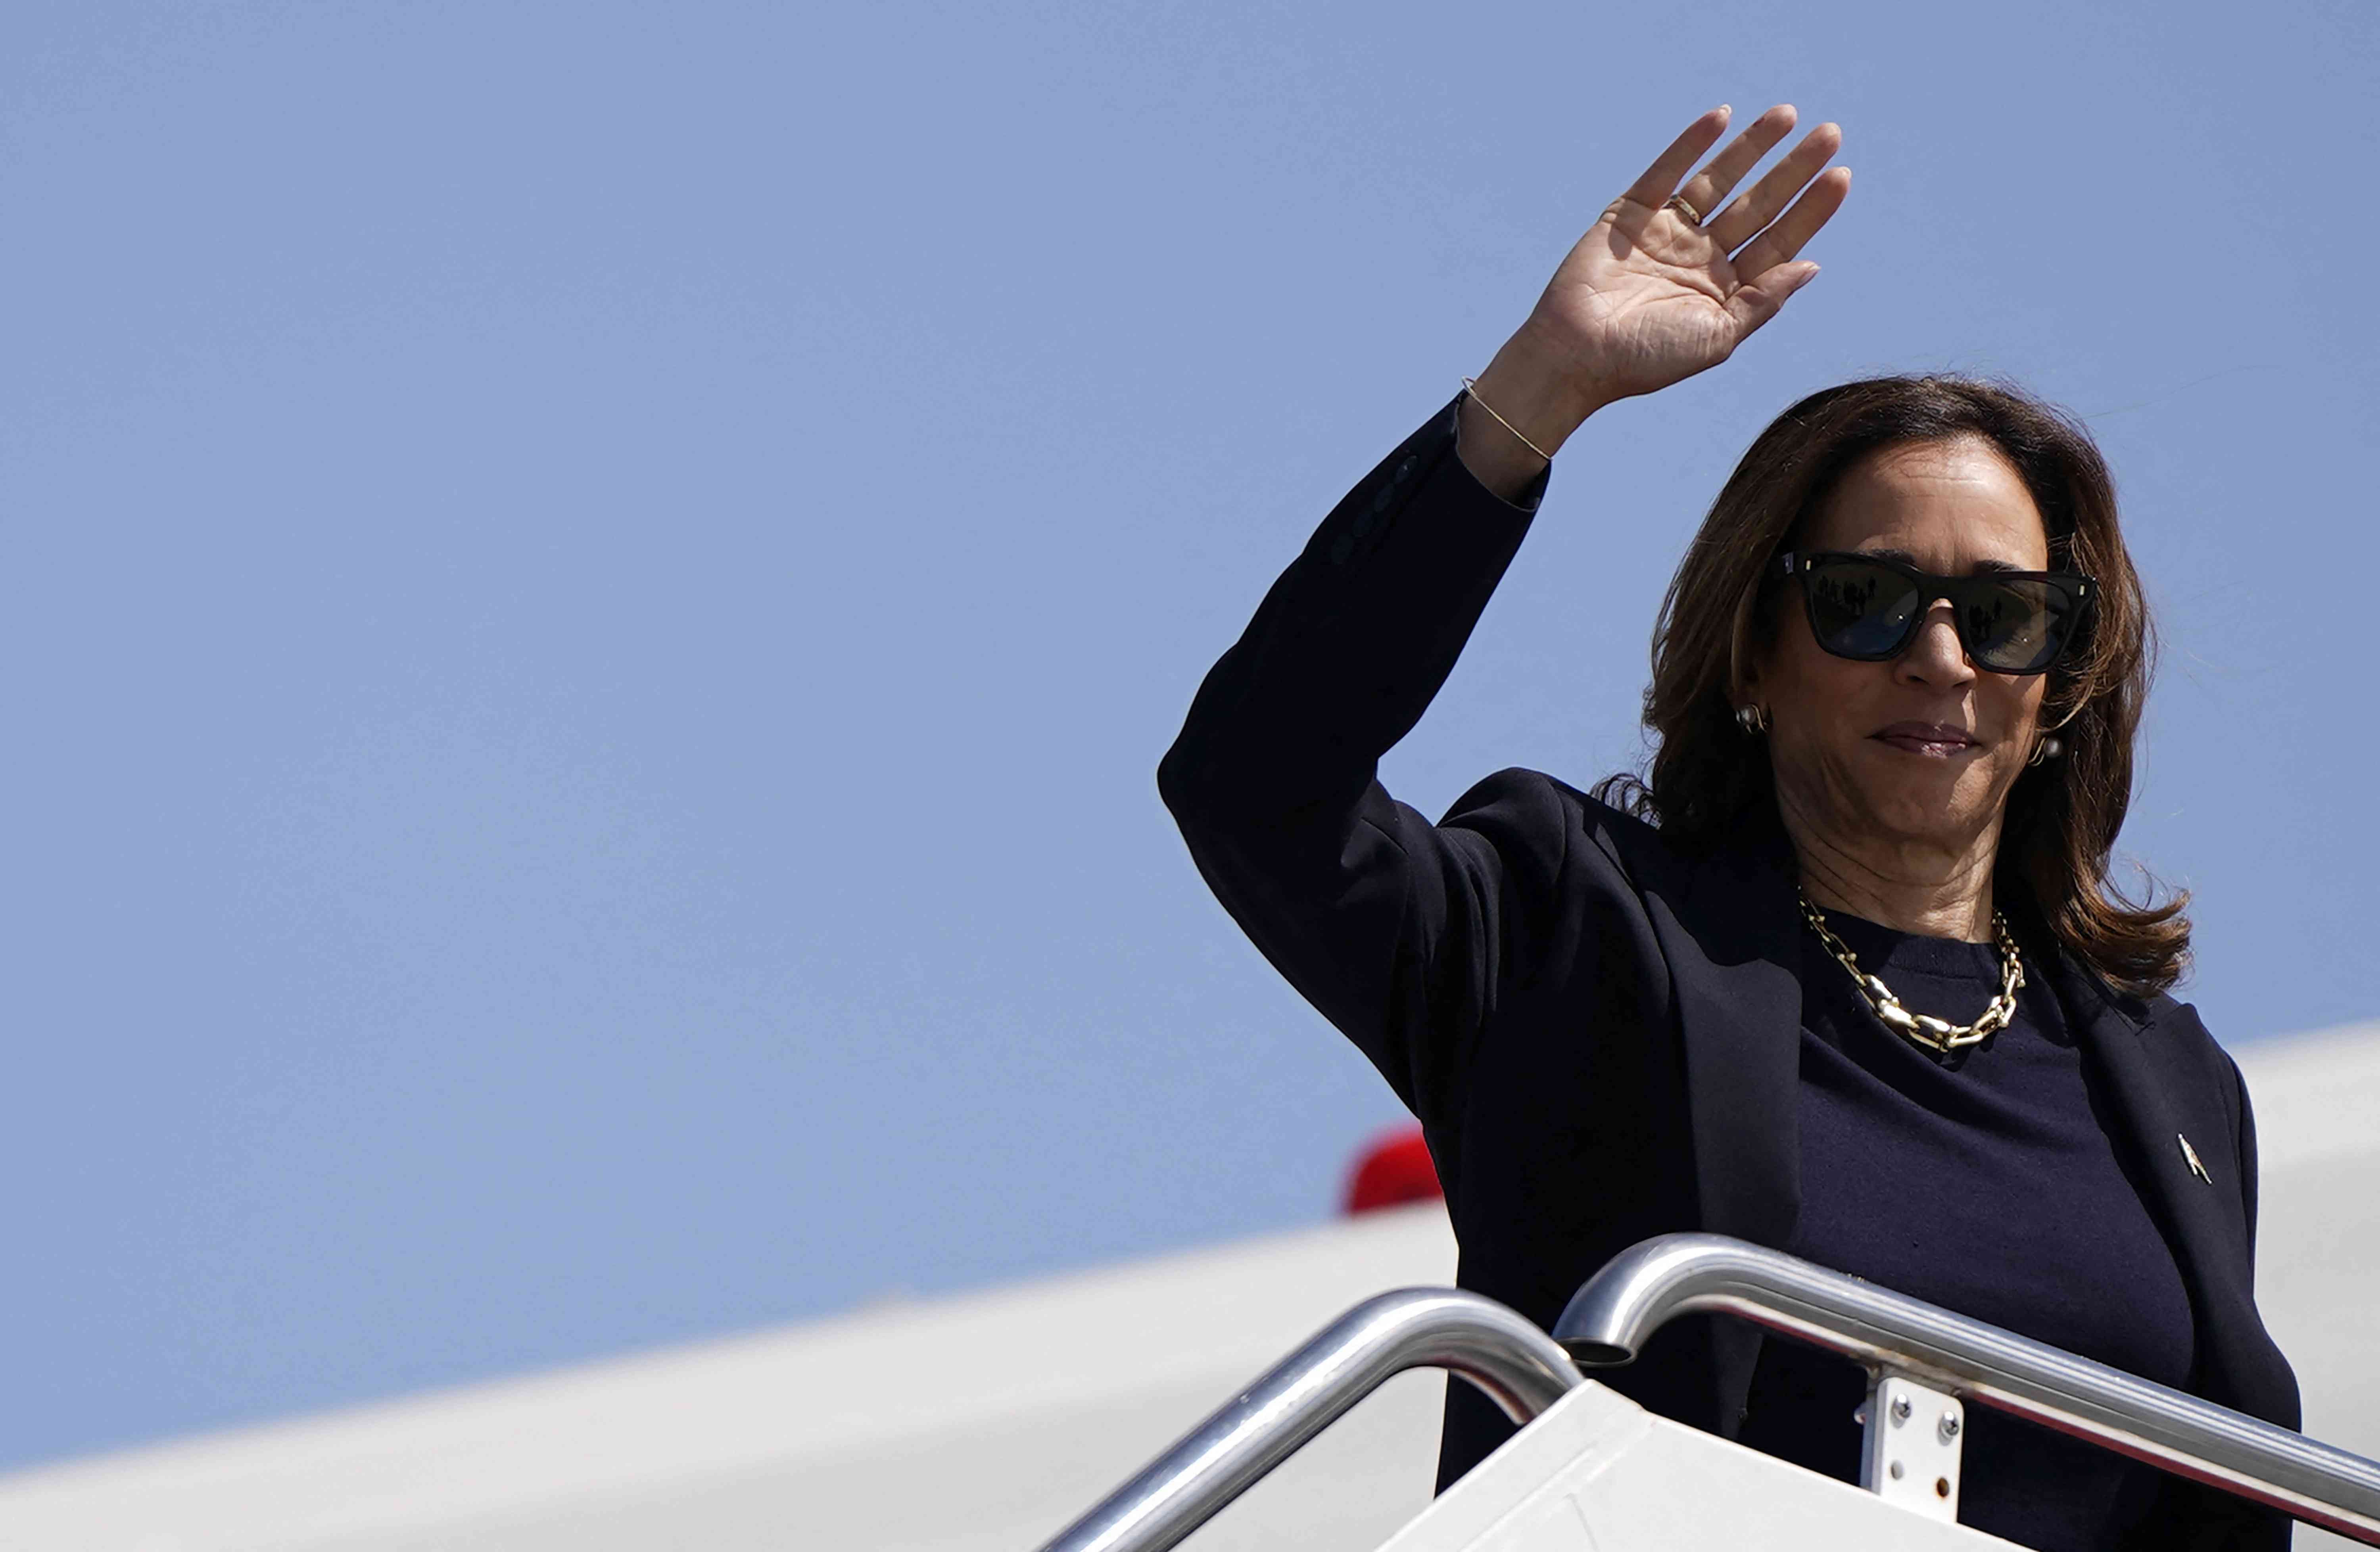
pixel 1935 740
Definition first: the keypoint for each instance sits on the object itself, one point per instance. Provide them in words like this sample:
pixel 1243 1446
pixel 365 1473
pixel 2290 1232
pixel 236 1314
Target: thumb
pixel 1756 301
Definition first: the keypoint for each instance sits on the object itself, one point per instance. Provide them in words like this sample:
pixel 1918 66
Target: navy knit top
pixel 1981 1181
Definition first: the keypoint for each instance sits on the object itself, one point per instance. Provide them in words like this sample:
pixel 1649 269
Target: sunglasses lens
pixel 2016 627
pixel 1860 611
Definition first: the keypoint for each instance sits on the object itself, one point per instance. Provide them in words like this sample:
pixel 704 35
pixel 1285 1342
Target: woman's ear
pixel 1751 674
pixel 1750 707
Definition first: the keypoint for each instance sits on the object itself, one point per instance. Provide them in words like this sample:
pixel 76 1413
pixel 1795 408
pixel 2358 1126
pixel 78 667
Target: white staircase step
pixel 1597 1472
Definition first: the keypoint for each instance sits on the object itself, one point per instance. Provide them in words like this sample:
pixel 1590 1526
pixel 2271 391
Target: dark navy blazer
pixel 1599 1035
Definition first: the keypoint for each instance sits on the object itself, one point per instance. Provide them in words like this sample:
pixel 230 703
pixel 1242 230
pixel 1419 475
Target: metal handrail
pixel 1499 1351
pixel 1647 1285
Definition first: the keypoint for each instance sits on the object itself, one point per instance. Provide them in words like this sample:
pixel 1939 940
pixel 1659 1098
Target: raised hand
pixel 1649 295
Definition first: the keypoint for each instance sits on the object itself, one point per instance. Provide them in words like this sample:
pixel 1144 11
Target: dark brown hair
pixel 1717 618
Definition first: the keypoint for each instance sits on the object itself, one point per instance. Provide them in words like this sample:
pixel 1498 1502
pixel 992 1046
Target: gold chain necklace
pixel 1936 1034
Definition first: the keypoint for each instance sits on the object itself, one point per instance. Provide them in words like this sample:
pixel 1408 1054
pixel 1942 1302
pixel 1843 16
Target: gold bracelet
pixel 1469 388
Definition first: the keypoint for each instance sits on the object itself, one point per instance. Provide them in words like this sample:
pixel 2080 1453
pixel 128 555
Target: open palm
pixel 1648 297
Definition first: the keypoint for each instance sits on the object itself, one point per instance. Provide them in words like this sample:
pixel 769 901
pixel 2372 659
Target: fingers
pixel 1706 189
pixel 1784 238
pixel 1735 226
pixel 1660 179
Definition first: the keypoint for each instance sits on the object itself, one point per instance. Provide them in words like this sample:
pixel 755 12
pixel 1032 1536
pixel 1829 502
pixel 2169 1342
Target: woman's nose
pixel 1935 655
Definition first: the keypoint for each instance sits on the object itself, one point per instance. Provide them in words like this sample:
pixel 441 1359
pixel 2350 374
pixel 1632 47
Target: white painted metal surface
pixel 2317 1100
pixel 1910 1446
pixel 990 1420
pixel 1599 1474
pixel 969 1425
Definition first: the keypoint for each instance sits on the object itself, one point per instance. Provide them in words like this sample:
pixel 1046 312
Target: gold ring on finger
pixel 1684 207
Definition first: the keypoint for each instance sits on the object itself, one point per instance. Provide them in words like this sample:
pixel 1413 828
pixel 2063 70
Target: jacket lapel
pixel 1731 936
pixel 1734 948
pixel 2200 1218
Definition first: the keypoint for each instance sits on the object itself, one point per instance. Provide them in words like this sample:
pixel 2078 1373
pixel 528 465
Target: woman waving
pixel 1844 975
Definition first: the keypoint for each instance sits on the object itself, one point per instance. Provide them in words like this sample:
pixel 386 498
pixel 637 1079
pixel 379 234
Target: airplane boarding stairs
pixel 1592 1470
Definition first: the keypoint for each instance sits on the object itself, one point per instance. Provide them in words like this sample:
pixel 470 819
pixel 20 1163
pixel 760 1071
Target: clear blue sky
pixel 593 593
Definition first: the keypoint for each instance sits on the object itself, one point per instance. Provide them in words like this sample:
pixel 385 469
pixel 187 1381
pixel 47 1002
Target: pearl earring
pixel 1752 720
pixel 2048 749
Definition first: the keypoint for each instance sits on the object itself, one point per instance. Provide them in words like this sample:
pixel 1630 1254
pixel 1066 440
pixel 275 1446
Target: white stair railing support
pixel 1646 1286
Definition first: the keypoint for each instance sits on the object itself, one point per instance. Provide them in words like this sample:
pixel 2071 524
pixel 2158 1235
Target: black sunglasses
pixel 1868 608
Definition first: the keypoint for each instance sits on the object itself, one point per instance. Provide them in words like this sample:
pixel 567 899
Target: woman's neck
pixel 1936 889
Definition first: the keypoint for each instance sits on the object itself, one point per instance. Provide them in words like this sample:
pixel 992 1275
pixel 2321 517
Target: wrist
pixel 1533 389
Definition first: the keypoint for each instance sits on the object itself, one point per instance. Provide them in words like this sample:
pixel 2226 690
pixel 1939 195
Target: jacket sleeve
pixel 1400 932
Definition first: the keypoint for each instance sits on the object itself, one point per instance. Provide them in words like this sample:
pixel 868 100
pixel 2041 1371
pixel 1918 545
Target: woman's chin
pixel 1929 799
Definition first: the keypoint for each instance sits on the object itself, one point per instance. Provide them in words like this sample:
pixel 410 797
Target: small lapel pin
pixel 2190 1154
